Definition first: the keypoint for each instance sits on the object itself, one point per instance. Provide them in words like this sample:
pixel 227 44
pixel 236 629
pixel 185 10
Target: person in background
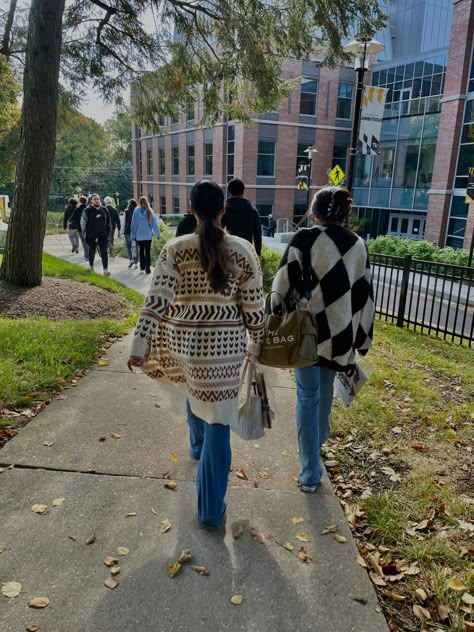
pixel 115 222
pixel 143 227
pixel 342 302
pixel 71 222
pixel 96 227
pixel 204 310
pixel 241 218
pixel 80 210
pixel 187 225
pixel 127 233
pixel 271 225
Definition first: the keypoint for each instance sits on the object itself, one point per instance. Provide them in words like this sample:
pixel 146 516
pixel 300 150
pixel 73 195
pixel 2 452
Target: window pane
pixel 457 227
pixel 466 159
pixel 176 205
pixel 230 165
pixel 230 132
pixel 163 205
pixel 459 208
pixel 208 159
pixel 161 153
pixel 266 158
pixel 308 104
pixel 455 242
pixel 175 161
pixel 190 160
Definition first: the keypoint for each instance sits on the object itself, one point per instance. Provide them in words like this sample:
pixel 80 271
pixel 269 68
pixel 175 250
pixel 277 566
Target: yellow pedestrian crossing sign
pixel 336 175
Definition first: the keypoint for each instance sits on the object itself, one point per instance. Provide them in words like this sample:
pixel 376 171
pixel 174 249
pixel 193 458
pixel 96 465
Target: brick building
pixel 415 187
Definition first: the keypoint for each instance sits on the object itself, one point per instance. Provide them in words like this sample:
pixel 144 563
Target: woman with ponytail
pixel 341 299
pixel 204 311
pixel 143 227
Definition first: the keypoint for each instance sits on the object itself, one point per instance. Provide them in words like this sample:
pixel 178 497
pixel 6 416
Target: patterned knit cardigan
pixel 198 336
pixel 342 294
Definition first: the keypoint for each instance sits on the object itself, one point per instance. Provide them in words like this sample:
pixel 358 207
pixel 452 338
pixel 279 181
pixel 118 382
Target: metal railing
pixel 433 298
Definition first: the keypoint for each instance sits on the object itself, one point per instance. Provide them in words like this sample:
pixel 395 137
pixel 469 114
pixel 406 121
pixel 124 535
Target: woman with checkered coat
pixel 342 302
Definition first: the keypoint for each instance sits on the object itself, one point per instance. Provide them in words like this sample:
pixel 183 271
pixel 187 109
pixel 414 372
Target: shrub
pixel 54 223
pixel 270 261
pixel 425 250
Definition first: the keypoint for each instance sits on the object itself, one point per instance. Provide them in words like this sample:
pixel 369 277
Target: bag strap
pixel 307 273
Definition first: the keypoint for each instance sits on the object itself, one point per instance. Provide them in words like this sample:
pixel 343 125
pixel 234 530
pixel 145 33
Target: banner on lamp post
pixel 373 104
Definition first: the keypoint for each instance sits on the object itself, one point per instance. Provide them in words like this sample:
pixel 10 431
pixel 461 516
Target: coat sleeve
pixel 252 303
pixel 163 286
pixel 67 213
pixel 84 220
pixel 154 227
pixel 365 292
pixel 257 233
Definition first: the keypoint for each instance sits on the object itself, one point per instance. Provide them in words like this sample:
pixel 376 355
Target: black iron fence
pixel 433 298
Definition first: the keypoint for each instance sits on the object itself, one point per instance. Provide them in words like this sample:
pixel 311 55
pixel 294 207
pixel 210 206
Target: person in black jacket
pixel 127 233
pixel 79 210
pixel 115 220
pixel 187 225
pixel 71 222
pixel 96 227
pixel 240 217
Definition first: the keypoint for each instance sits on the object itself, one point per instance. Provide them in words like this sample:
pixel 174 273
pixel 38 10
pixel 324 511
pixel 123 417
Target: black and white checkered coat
pixel 341 290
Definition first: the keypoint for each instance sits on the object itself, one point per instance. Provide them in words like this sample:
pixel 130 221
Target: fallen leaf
pixel 237 531
pixel 122 550
pixel 3 547
pixel 185 556
pixel 131 514
pixel 91 539
pixel 58 501
pixel 397 430
pixel 40 509
pixel 377 580
pixel 241 474
pixel 360 560
pixel 340 538
pixel 302 537
pixel 110 561
pixel 11 589
pixel 173 569
pixel 412 570
pixel 443 612
pixel 456 584
pixel 236 600
pixel 421 594
pixel 39 602
pixel 466 526
pixel 361 600
pixel 257 536
pixel 116 435
pixel 373 562
pixel 396 596
pixel 115 570
pixel 297 520
pixel 170 485
pixel 32 628
pixel 288 546
pixel 468 598
pixel 332 463
pixel 469 626
pixel 103 362
pixel 331 529
pixel 153 511
pixel 424 524
pixel 61 380
pixel 174 457
pixel 111 583
pixel 421 613
pixel 419 447
pixel 48 444
pixel 304 556
pixel 263 474
pixel 202 570
pixel 165 525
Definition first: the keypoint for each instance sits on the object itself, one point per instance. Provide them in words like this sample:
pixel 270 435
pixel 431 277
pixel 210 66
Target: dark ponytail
pixel 207 200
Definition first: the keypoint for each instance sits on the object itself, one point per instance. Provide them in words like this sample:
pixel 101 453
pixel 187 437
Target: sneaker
pixel 77 250
pixel 106 273
pixel 130 264
pixel 135 266
pixel 91 268
pixel 73 250
pixel 310 489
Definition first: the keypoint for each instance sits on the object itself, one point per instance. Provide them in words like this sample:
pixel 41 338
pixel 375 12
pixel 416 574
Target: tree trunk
pixel 6 42
pixel 22 261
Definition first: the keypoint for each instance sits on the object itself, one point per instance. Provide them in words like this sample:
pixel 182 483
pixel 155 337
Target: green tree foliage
pixel 9 122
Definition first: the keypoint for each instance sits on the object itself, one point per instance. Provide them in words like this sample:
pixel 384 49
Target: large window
pixel 457 222
pixel 344 101
pixel 266 158
pixel 339 156
pixel 149 162
pixel 230 150
pixel 208 159
pixel 176 161
pixel 309 89
pixel 466 152
pixel 162 160
pixel 190 160
pixel 163 204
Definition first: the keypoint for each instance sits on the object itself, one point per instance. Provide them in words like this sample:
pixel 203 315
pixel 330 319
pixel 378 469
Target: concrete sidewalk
pixel 68 451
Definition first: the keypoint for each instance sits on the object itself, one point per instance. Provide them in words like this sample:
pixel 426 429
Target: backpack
pixel 96 222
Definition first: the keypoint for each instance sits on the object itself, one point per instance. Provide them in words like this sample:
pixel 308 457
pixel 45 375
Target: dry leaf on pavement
pixel 103 362
pixel 173 569
pixel 340 538
pixel 360 560
pixel 32 628
pixel 376 579
pixel 115 570
pixel 91 539
pixel 331 529
pixel 111 583
pixel 40 509
pixel 236 600
pixel 302 537
pixel 185 556
pixel 39 602
pixel 48 444
pixel 170 485
pixel 3 547
pixel 263 474
pixel 202 570
pixel 122 550
pixel 421 613
pixel 297 520
pixel 174 457
pixel 58 501
pixel 237 531
pixel 11 589
pixel 287 545
pixel 304 556
pixel 257 536
pixel 116 435
pixel 165 525
pixel 241 474
pixel 110 561
pixel 131 514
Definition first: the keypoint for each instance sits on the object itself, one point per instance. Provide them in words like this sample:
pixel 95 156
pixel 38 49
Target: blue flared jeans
pixel 210 443
pixel 314 393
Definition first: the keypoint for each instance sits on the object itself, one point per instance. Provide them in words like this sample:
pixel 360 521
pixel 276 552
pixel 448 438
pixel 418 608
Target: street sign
pixel 470 186
pixel 336 175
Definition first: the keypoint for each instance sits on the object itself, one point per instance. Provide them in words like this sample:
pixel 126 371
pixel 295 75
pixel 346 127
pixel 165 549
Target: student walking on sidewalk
pixel 71 221
pixel 143 227
pixel 127 233
pixel 205 299
pixel 96 226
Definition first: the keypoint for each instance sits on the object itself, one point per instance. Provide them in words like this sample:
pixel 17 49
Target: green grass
pixel 35 352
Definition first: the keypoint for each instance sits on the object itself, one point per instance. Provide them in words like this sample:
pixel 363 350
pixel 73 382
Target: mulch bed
pixel 61 299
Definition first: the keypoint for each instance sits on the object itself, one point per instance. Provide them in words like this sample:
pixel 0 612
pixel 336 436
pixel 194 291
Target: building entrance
pixel 408 226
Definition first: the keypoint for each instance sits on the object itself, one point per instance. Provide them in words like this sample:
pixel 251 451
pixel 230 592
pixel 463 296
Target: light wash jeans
pixel 210 443
pixel 73 234
pixel 314 393
pixel 129 245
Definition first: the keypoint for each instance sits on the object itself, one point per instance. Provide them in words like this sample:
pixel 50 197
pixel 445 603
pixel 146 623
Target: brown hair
pixel 332 203
pixel 207 201
pixel 144 203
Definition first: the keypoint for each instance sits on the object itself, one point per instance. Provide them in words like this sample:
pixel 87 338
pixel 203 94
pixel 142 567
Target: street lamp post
pixel 310 151
pixel 360 49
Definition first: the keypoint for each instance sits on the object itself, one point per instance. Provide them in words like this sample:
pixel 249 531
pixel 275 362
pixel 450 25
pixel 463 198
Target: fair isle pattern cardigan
pixel 342 297
pixel 196 337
